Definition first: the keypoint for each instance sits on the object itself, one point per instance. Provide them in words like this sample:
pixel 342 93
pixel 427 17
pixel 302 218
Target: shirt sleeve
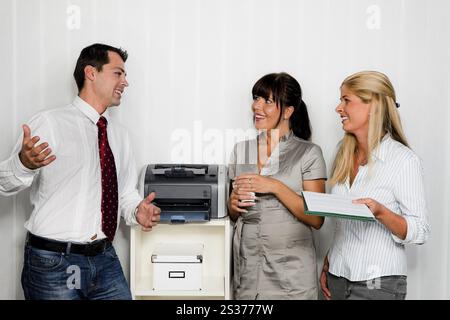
pixel 410 194
pixel 129 197
pixel 14 176
pixel 314 165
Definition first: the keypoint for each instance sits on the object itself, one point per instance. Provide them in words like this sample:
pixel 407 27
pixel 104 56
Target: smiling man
pixel 80 167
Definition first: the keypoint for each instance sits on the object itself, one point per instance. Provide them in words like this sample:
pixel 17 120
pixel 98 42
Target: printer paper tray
pixel 177 216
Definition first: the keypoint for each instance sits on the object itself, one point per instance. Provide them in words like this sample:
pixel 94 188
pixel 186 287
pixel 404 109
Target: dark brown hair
pixel 286 92
pixel 95 55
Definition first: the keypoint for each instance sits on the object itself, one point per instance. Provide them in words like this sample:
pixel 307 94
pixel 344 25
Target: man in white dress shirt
pixel 82 174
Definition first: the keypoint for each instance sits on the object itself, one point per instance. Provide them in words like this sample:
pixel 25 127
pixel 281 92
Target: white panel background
pixel 191 67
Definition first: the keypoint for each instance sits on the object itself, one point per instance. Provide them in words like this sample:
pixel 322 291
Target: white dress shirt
pixel 66 194
pixel 366 250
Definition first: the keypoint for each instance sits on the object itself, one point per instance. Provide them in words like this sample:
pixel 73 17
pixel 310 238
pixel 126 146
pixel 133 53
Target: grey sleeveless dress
pixel 273 252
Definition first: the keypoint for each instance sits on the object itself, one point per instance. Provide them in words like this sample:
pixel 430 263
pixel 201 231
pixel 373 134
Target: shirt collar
pixel 89 110
pixel 286 137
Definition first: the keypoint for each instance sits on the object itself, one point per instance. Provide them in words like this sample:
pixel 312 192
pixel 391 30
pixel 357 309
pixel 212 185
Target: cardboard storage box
pixel 177 266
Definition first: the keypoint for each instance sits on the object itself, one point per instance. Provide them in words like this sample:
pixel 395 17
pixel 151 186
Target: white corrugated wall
pixel 191 67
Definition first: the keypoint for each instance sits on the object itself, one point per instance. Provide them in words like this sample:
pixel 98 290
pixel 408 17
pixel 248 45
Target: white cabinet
pixel 215 236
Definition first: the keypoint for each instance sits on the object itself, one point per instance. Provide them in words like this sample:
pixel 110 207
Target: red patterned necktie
pixel 109 182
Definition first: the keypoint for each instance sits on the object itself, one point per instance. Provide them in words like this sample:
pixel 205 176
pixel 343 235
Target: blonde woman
pixel 374 164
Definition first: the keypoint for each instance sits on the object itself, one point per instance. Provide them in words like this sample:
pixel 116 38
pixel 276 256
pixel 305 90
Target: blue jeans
pixel 48 275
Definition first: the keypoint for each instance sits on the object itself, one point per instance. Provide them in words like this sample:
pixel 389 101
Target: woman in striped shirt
pixel 375 165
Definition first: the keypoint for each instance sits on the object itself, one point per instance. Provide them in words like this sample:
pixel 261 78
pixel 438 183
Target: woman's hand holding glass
pixel 255 183
pixel 240 199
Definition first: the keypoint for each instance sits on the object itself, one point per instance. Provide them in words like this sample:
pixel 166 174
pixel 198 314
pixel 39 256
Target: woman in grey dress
pixel 273 249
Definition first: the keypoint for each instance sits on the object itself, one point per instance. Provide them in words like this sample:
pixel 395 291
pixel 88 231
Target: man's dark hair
pixel 95 55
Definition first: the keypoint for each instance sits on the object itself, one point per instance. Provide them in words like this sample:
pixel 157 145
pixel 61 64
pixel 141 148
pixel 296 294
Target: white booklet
pixel 334 205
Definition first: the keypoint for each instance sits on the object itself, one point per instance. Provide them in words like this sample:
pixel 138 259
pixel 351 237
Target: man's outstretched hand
pixel 32 156
pixel 148 214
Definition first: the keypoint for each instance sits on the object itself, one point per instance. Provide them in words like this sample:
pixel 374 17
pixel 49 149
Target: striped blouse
pixel 365 250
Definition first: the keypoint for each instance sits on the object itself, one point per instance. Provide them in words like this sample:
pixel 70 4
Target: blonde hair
pixel 375 88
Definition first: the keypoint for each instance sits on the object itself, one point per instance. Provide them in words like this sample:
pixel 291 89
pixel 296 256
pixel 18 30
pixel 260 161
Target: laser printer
pixel 186 192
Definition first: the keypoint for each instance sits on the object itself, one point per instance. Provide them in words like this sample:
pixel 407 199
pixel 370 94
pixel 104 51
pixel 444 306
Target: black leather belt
pixel 88 249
